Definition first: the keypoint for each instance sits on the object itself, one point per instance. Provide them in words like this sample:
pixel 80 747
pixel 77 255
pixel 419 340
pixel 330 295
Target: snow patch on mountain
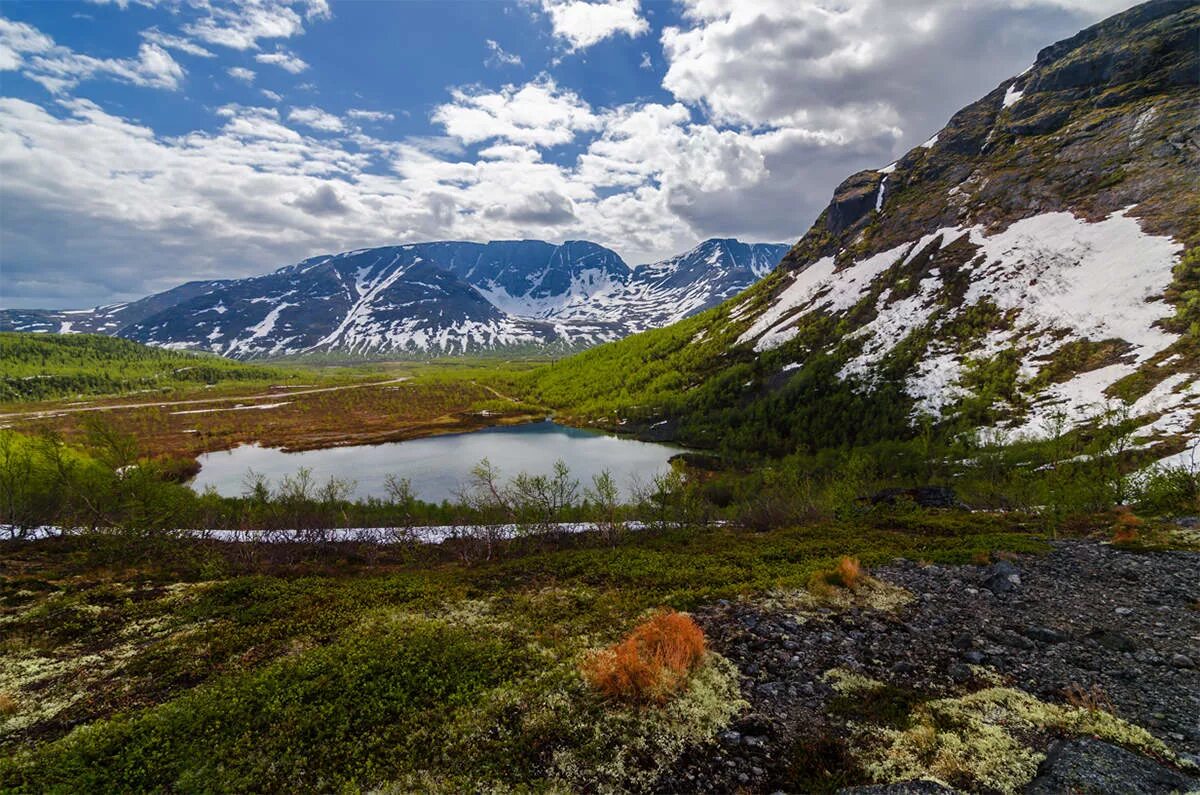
pixel 1099 281
pixel 1061 277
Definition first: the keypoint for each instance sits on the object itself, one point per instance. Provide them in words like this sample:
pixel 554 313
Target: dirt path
pixel 496 392
pixel 34 415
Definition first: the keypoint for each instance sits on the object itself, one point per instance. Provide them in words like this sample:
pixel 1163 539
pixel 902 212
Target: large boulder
pixel 1091 767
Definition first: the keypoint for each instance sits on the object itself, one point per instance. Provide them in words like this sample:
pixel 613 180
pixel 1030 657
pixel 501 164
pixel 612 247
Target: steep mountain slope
pixel 1032 263
pixel 444 297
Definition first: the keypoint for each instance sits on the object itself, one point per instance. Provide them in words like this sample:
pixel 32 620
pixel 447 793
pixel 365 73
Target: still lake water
pixel 439 465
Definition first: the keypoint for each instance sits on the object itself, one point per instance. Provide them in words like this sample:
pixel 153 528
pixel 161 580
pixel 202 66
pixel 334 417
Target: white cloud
pixel 25 48
pixel 537 113
pixel 583 23
pixel 285 60
pixel 18 39
pixel 317 119
pixel 370 115
pixel 499 56
pixel 851 70
pixel 240 25
pixel 271 95
pixel 171 42
pixel 241 73
pixel 61 69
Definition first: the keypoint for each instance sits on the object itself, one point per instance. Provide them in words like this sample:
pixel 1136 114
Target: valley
pixel 909 506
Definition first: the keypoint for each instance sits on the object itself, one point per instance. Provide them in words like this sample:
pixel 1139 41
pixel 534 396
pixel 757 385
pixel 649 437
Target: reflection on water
pixel 438 465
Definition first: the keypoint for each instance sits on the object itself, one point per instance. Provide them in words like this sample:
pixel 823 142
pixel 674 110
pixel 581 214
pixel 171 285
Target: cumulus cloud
pixel 322 200
pixel 171 42
pixel 17 40
pixel 317 119
pixel 545 208
pixel 849 70
pixel 583 23
pixel 538 113
pixel 58 68
pixel 370 115
pixel 240 25
pixel 285 60
pixel 241 73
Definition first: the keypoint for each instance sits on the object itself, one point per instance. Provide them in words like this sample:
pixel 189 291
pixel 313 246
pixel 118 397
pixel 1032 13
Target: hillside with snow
pixel 427 298
pixel 1029 268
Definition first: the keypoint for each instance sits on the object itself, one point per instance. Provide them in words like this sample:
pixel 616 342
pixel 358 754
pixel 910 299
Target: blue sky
pixel 143 144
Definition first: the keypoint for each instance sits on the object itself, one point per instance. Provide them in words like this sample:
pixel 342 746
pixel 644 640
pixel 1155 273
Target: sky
pixel 145 143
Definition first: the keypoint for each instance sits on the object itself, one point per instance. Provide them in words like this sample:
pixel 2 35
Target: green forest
pixel 48 366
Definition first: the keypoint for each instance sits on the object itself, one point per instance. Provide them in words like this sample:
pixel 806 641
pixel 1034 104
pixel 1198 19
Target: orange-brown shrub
pixel 652 663
pixel 848 573
pixel 1125 526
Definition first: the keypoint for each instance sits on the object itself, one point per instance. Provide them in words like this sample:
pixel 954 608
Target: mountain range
pixel 1033 265
pixel 427 298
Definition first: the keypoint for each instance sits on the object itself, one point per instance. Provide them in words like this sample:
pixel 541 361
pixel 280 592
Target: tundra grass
pixel 202 676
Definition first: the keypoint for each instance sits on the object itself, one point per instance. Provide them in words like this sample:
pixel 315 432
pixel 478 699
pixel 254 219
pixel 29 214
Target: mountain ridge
pixel 441 297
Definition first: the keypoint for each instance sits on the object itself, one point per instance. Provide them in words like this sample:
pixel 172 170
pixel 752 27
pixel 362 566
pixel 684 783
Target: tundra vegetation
pixel 140 651
pixel 137 655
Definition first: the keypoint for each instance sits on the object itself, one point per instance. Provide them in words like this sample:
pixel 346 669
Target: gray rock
pixel 1002 583
pixel 1003 567
pixel 1112 640
pixel 1045 635
pixel 1091 767
pixel 1182 661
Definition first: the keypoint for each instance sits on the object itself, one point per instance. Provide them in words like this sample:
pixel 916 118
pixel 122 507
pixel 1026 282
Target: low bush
pixel 847 574
pixel 1125 527
pixel 652 663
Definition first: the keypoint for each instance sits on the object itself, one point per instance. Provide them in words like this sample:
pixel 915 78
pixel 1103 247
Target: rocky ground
pixel 1086 624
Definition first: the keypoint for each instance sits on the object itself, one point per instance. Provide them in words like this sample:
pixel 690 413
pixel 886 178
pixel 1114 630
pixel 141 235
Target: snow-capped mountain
pixel 661 293
pixel 442 297
pixel 1032 265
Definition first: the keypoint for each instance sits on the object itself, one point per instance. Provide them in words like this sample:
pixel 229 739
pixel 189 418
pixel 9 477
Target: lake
pixel 438 465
